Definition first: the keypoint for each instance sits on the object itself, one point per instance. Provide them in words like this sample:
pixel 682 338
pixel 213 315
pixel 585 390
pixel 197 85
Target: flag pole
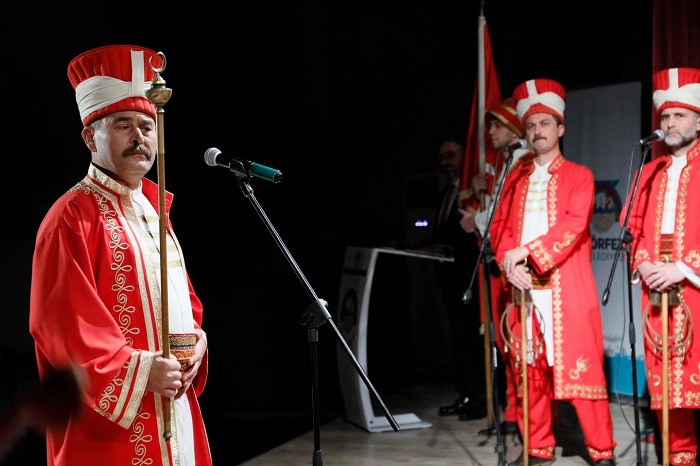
pixel 483 277
pixel 477 159
pixel 481 109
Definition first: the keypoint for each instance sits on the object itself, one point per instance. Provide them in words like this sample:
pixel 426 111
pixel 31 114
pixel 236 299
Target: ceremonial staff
pixel 159 95
pixel 519 346
pixel 664 378
pixel 679 339
pixel 485 308
pixel 523 356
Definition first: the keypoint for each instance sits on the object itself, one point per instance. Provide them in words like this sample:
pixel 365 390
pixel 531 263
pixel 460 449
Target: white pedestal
pixel 355 291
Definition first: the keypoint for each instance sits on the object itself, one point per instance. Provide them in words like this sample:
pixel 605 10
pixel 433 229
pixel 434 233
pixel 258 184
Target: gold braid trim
pixel 513 343
pixel 679 342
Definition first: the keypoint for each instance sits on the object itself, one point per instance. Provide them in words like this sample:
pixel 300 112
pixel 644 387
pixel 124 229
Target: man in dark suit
pixel 453 279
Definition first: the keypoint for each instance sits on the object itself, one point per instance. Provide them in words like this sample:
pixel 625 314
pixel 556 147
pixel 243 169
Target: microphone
pixel 241 167
pixel 658 134
pixel 521 144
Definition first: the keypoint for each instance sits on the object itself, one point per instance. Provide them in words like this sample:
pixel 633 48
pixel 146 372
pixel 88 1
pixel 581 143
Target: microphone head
pixel 521 144
pixel 210 156
pixel 655 136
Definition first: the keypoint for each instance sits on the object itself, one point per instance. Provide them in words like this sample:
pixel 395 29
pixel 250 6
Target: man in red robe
pixel 505 130
pixel 96 289
pixel 666 258
pixel 542 243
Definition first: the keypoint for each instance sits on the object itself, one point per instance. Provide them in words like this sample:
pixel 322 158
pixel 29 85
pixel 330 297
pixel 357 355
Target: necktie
pixel 447 204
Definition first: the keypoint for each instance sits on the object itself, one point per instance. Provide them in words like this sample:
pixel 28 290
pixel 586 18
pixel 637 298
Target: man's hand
pixel 195 362
pixel 517 273
pixel 514 257
pixel 479 183
pixel 467 221
pixel 165 376
pixel 660 276
pixel 520 277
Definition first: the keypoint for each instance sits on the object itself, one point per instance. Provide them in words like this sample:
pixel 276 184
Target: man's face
pixel 125 143
pixel 681 126
pixel 451 156
pixel 543 132
pixel 501 136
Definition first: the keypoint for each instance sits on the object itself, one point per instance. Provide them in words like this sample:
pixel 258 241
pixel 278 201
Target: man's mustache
pixel 140 148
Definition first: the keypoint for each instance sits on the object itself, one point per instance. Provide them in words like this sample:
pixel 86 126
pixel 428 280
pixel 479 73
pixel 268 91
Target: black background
pixel 345 98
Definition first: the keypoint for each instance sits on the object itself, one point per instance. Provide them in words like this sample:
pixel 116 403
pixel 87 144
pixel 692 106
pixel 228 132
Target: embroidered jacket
pixel 645 227
pixel 561 258
pixel 95 301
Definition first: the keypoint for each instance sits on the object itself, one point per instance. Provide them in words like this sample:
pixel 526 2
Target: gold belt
pixel 666 245
pixel 540 282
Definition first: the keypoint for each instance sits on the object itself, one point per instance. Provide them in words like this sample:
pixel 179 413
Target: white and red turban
pixel 540 96
pixel 113 79
pixel 677 87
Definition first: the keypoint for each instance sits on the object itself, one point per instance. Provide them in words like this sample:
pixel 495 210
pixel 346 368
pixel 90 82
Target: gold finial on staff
pixel 159 95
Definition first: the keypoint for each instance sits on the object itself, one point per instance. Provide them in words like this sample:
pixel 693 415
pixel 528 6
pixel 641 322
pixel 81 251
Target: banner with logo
pixel 602 130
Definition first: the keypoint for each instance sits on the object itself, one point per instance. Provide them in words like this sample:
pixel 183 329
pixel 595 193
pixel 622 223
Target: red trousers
pixel 682 444
pixel 593 415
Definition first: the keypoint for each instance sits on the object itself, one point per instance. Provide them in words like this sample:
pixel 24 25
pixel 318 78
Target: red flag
pixel 477 155
pixel 487 93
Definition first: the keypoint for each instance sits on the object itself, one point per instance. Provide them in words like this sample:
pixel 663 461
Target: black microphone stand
pixel 485 256
pixel 315 315
pixel 626 238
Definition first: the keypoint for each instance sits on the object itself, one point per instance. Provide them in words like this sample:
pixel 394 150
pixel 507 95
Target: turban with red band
pixel 113 79
pixel 677 87
pixel 540 96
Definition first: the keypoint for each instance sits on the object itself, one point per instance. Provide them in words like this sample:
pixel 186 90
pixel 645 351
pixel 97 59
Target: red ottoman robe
pixel 684 381
pixel 106 318
pixel 565 253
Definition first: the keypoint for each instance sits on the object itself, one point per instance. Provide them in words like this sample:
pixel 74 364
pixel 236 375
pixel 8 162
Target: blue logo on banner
pixel 607 206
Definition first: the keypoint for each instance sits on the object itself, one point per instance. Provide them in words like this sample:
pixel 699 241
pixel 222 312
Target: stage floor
pixel 448 441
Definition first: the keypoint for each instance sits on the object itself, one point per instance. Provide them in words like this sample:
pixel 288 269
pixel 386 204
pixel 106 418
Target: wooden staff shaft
pixel 159 95
pixel 163 235
pixel 523 355
pixel 486 312
pixel 664 377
